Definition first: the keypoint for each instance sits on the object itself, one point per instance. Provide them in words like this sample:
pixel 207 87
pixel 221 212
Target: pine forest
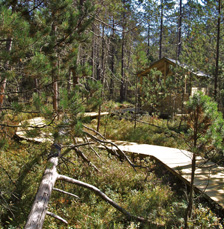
pixel 79 80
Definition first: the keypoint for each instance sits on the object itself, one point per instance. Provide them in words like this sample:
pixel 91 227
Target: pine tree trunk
pixel 4 81
pixel 122 88
pixel 54 74
pixel 193 168
pixel 55 91
pixel 179 31
pixel 93 52
pixel 148 42
pixel 2 92
pixel 112 63
pixel 217 52
pixel 190 203
pixel 69 80
pixel 97 63
pixel 161 31
pixel 101 78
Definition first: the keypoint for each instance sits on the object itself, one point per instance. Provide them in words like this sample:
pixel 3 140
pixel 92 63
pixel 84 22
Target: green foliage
pixel 40 44
pixel 92 92
pixel 204 218
pixel 155 132
pixel 19 165
pixel 206 124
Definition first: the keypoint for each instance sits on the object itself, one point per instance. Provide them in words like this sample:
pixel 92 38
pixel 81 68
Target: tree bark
pixel 122 88
pixel 40 204
pixel 4 81
pixel 148 42
pixel 101 77
pixel 112 62
pixel 217 51
pixel 161 30
pixel 179 31
pixel 193 167
pixel 93 52
pixel 190 203
pixel 55 74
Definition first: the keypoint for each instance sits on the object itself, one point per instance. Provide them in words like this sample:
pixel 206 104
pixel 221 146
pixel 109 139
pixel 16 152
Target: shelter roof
pixel 161 63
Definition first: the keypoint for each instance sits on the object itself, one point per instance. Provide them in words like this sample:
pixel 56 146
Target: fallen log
pixel 40 204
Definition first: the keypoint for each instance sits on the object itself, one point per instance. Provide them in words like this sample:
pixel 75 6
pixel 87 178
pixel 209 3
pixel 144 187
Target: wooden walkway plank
pixel 209 179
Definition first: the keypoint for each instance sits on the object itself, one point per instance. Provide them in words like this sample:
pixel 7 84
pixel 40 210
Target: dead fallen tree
pixel 40 204
pixel 39 208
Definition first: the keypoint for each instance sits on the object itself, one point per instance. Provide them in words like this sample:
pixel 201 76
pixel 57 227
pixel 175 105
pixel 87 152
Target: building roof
pixel 161 63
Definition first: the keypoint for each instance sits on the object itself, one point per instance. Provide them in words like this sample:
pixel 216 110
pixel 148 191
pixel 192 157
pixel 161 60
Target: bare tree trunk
pixel 54 75
pixel 2 91
pixel 101 78
pixel 93 52
pixel 40 204
pixel 122 88
pixel 161 30
pixel 4 81
pixel 190 203
pixel 55 91
pixel 148 42
pixel 217 52
pixel 112 63
pixel 75 78
pixel 69 80
pixel 193 168
pixel 179 31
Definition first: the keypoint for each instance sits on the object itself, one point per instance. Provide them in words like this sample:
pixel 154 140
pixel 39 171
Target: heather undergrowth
pixel 150 130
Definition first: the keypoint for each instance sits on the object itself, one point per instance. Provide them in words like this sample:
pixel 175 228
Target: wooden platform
pixel 209 178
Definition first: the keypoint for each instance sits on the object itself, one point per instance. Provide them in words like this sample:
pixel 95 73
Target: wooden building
pixel 193 81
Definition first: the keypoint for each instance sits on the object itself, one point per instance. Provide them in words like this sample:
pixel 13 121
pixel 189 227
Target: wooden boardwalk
pixel 209 177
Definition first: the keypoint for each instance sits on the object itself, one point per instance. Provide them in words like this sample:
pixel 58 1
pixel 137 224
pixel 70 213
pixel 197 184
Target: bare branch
pixel 103 196
pixel 87 140
pixel 57 217
pixel 72 147
pixel 67 193
pixel 96 132
pixel 118 30
pixel 66 159
pixel 29 126
pixel 120 152
pixel 82 155
pixel 28 112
